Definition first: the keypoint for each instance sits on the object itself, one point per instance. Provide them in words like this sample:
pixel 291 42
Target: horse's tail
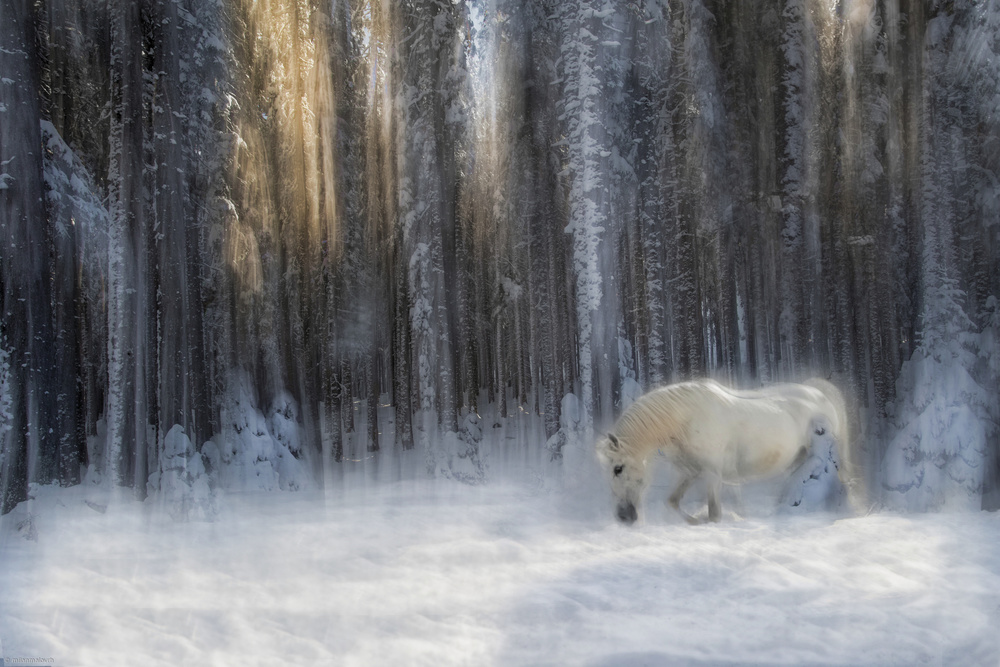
pixel 848 470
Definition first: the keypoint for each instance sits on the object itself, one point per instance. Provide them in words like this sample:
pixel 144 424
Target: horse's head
pixel 627 474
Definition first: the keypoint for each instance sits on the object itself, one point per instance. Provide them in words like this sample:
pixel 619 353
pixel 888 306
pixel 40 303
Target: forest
pixel 247 242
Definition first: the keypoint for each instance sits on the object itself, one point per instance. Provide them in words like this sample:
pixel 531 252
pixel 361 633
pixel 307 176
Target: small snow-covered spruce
pixel 570 427
pixel 254 452
pixel 461 457
pixel 937 456
pixel 181 479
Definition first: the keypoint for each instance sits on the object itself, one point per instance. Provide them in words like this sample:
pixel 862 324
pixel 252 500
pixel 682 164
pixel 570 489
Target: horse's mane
pixel 661 415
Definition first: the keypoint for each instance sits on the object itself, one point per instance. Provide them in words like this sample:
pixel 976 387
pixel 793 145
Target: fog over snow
pixel 531 570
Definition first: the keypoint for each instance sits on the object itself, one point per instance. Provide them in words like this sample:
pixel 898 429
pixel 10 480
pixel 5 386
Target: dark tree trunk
pixel 32 450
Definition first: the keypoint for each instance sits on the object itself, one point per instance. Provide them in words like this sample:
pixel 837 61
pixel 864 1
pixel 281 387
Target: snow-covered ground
pixel 417 572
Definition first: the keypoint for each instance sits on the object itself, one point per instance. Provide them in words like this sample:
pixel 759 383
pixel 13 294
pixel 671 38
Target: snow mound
pixel 814 485
pixel 425 572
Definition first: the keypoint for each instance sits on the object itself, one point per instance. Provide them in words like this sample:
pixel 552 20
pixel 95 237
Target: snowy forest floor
pixel 530 569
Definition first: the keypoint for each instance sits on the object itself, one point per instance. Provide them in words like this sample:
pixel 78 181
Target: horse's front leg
pixel 714 507
pixel 675 498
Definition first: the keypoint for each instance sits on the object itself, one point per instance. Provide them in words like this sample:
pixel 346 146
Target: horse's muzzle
pixel 627 513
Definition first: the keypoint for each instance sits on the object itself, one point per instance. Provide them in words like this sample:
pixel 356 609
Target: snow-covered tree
pixel 6 400
pixel 943 415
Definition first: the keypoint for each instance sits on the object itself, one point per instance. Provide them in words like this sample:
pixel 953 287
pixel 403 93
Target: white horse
pixel 704 428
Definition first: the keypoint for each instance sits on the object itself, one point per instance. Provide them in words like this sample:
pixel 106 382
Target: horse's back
pixel 748 437
pixel 742 434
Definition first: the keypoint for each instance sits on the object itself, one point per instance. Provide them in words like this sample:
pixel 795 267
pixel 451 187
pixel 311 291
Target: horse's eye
pixel 618 470
pixel 820 431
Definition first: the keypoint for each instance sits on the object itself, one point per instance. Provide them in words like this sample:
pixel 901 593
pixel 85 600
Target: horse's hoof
pixel 691 520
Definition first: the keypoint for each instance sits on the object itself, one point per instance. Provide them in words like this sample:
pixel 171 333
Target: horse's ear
pixel 615 445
